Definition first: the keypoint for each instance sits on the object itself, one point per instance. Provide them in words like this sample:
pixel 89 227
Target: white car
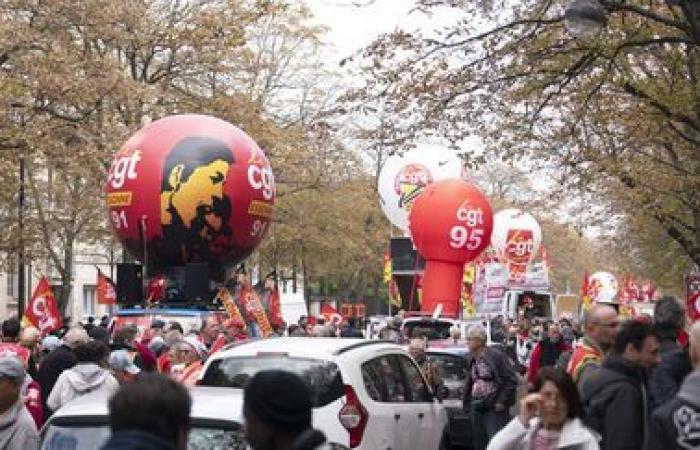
pixel 83 424
pixel 367 394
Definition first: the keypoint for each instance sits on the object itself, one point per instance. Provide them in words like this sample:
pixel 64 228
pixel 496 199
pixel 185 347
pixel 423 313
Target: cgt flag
pixel 42 309
pixel 106 290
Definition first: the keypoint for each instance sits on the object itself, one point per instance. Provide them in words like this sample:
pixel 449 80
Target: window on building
pixel 12 280
pixel 89 299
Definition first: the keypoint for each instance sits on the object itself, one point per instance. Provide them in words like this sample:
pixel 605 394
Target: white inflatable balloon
pixel 516 238
pixel 403 178
pixel 602 287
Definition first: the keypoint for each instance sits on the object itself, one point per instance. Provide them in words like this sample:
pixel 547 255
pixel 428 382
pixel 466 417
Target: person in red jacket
pixel 546 352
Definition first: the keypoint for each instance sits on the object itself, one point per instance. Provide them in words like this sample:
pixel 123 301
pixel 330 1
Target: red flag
pixel 329 312
pixel 106 291
pixel 275 307
pixel 42 309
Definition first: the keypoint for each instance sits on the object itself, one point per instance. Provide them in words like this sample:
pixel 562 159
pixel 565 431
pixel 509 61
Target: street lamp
pixel 585 19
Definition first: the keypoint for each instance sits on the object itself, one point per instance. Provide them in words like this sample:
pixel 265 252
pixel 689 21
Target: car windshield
pixel 452 367
pixel 323 377
pixel 67 437
pixel 432 330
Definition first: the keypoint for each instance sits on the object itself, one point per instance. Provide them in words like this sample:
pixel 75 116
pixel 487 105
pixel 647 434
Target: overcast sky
pixel 355 23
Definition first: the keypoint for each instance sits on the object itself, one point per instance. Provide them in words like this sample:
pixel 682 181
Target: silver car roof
pixel 208 403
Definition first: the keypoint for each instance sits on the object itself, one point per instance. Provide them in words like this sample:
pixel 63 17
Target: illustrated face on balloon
pixel 196 188
pixel 194 207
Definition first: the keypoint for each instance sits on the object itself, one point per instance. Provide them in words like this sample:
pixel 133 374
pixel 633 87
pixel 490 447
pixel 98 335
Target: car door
pixel 425 419
pixel 383 424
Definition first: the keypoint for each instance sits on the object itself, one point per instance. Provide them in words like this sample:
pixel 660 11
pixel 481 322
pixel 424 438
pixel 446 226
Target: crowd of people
pixel 40 375
pixel 624 384
pixel 588 384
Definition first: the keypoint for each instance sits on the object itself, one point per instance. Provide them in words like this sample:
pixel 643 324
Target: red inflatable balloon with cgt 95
pixel 451 224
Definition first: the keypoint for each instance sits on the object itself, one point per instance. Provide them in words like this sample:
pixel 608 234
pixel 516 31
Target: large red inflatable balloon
pixel 198 188
pixel 451 224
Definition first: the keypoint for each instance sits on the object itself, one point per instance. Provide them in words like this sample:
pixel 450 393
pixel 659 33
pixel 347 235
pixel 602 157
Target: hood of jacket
pixel 10 416
pixel 690 389
pixel 86 376
pixel 136 440
pixel 623 367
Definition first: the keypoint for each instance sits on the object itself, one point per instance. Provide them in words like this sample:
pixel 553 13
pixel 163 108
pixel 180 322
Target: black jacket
pixel 51 367
pixel 350 332
pixel 676 424
pixel 136 440
pixel 666 379
pixel 505 378
pixel 613 397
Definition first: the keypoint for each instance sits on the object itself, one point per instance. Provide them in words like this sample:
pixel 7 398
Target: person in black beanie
pixel 152 413
pixel 277 410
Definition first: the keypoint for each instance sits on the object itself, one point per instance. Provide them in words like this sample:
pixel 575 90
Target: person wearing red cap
pixel 231 331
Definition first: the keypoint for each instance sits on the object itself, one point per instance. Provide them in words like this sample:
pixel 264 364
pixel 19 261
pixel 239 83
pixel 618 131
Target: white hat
pixel 120 361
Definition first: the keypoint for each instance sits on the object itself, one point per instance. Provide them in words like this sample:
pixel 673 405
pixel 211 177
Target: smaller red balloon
pixel 451 224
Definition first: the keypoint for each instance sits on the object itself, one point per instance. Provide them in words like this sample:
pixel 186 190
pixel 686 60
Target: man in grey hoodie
pixel 88 376
pixel 17 428
pixel 676 424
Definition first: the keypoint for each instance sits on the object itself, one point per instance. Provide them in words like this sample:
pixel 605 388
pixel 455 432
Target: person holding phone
pixel 549 419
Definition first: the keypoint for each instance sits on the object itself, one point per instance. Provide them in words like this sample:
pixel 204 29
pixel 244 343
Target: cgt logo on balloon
pixel 410 182
pixel 469 234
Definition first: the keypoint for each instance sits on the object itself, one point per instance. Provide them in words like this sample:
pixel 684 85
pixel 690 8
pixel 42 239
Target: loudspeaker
pixel 129 283
pixel 404 258
pixel 196 286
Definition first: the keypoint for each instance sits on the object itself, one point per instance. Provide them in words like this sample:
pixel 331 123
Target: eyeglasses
pixel 608 325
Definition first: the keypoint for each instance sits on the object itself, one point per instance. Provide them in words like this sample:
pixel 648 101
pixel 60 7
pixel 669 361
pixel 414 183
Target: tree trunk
pixel 66 276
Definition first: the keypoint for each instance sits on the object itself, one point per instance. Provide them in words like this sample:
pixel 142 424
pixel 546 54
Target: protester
pixel 392 330
pixel 89 325
pixel 59 360
pixel 550 418
pixel 210 330
pixel 10 340
pixel 429 368
pixel 164 360
pixel 615 395
pixel 174 325
pixel 490 388
pixel 187 365
pixel 349 329
pixel 123 368
pixel 277 412
pixel 100 334
pixel 231 331
pixel 667 377
pixel 18 430
pixel 546 352
pixel 675 424
pixel 85 377
pixel 600 324
pixel 49 344
pixel 152 413
pixel 125 339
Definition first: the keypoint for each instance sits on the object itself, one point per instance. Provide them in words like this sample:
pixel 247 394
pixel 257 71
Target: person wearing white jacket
pixel 549 419
pixel 86 377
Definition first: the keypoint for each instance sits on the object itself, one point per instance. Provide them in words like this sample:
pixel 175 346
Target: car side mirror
pixel 441 393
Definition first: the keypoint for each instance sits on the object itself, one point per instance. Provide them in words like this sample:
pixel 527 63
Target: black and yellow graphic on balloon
pixel 194 207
